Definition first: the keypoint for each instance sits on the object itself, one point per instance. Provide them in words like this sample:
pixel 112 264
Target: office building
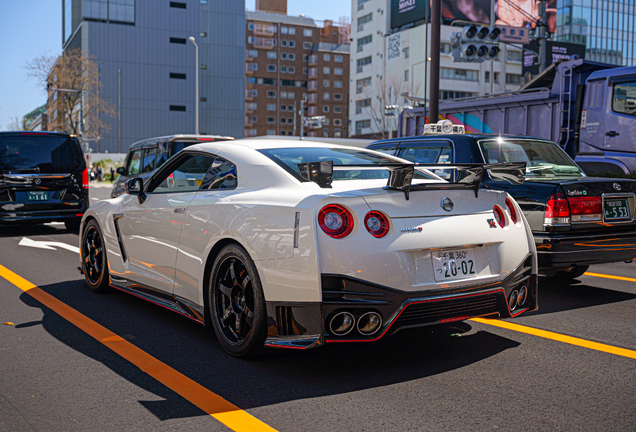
pixel 147 64
pixel 288 59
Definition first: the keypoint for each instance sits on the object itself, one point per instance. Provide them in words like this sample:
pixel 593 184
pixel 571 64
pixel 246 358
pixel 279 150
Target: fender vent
pixel 284 321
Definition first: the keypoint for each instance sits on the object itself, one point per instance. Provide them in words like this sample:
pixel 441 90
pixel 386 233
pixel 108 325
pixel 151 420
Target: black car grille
pixel 434 311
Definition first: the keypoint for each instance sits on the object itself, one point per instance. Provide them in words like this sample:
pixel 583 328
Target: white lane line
pixel 51 245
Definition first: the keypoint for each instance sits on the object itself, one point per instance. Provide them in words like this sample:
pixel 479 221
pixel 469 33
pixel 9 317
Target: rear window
pixel 289 158
pixel 40 154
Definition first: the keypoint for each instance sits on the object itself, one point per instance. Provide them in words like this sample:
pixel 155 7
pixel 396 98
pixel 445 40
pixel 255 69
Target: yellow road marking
pixel 559 337
pixel 610 276
pixel 213 404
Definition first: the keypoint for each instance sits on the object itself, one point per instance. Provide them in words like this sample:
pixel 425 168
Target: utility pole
pixel 302 117
pixel 295 116
pixel 542 36
pixel 436 18
pixel 119 111
pixel 196 84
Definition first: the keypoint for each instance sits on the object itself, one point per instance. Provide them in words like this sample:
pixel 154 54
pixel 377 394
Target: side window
pixel 221 175
pixel 432 152
pixel 134 163
pixel 384 148
pixel 162 155
pixel 624 98
pixel 150 155
pixel 187 175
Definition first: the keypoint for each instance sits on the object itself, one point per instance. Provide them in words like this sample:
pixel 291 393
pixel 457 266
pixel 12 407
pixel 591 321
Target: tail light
pixel 335 220
pixel 85 179
pixel 557 210
pixel 499 216
pixel 377 224
pixel 511 209
pixel 585 208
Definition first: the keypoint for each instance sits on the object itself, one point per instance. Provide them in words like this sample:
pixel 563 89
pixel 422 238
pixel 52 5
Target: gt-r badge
pixel 491 223
pixel 411 230
pixel 447 204
pixel 616 186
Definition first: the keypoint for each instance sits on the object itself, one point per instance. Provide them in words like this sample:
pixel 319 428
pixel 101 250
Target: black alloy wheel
pixel 237 303
pixel 94 258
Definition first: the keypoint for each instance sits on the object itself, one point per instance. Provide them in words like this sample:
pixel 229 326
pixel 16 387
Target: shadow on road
pixel 33 230
pixel 279 376
pixel 558 296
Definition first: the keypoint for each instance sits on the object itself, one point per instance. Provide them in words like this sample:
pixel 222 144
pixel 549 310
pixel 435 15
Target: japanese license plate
pixel 454 264
pixel 37 196
pixel 616 209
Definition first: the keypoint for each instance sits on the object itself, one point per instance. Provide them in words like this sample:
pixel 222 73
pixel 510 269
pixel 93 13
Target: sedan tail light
pixel 586 208
pixel 511 209
pixel 335 220
pixel 377 224
pixel 85 179
pixel 557 210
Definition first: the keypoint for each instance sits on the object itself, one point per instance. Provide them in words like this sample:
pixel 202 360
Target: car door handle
pixel 611 134
pixel 180 210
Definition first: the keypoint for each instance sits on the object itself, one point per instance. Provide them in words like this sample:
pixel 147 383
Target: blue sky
pixel 30 28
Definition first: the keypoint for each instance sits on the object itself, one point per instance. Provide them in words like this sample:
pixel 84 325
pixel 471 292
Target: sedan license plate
pixel 37 196
pixel 616 209
pixel 454 264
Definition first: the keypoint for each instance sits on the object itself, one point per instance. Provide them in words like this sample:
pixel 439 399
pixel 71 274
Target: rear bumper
pixel 563 251
pixel 9 218
pixel 306 325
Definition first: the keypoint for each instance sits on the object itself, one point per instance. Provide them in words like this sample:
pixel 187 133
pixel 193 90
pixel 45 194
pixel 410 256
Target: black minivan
pixel 144 157
pixel 43 178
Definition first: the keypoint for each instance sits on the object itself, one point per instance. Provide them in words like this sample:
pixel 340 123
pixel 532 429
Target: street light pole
pixel 196 85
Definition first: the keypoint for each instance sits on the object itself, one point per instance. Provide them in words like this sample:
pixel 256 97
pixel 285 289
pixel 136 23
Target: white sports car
pixel 285 243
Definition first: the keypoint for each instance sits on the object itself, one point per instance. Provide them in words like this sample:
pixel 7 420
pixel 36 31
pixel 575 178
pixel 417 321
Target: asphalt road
pixel 467 377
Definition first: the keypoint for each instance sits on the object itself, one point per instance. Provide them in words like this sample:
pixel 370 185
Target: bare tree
pixel 17 124
pixel 382 94
pixel 73 87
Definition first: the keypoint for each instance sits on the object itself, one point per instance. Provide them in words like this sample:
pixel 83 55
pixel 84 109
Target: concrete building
pixel 147 64
pixel 386 64
pixel 287 59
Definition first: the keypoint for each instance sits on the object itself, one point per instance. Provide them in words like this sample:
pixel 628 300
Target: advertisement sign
pixel 477 11
pixel 408 11
pixel 524 13
pixel 555 51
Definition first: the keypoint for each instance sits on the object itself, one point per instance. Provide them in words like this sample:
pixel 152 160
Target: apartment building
pixel 289 59
pixel 147 64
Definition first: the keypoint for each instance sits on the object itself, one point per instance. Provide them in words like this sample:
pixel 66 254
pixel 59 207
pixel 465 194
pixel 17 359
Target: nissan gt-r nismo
pixel 283 243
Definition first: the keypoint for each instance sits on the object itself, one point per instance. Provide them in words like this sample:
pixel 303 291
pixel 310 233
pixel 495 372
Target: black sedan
pixel 576 220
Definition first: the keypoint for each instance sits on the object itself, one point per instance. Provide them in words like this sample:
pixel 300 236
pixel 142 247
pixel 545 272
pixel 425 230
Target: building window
pixel 326 83
pixel 307 45
pixel 283 120
pixel 364 41
pixel 514 56
pixel 283 107
pixel 283 30
pixel 459 74
pixel 325 132
pixel 176 40
pixel 308 32
pixel 362 62
pixel 337 110
pixel 362 124
pixel 271 68
pixel 362 83
pixel 513 79
pixel 337 133
pixel 406 75
pixel 407 52
pixel 326 70
pixel 283 69
pixel 271 120
pixel 291 69
pixel 445 48
pixel 325 96
pixel 204 66
pixel 337 84
pixel 291 56
pixel 283 43
pixel 337 122
pixel 204 1
pixel 203 34
pixel 283 95
pixel 305 71
pixel 250 26
pixel 271 54
pixel 177 108
pixel 487 76
pixel 360 104
pixel 271 107
pixel 363 20
pixel 292 44
pixel 178 5
pixel 290 95
pixel 337 96
pixel 283 56
pixel 305 57
pixel 338 71
pixel 456 94
pixel 325 108
pixel 271 94
pixel 337 58
pixel 271 132
pixel 326 57
pixel 292 31
pixel 174 75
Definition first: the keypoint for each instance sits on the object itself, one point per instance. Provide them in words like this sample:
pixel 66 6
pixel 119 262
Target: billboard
pixel 555 51
pixel 477 11
pixel 408 11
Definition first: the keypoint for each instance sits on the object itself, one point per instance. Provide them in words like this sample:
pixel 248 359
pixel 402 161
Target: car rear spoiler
pixel 401 174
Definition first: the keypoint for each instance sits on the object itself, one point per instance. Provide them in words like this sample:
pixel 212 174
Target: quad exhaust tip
pixel 512 300
pixel 342 323
pixel 523 296
pixel 369 323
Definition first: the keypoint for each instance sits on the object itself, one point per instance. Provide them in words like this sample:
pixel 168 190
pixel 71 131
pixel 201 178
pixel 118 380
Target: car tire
pixel 73 224
pixel 94 263
pixel 237 304
pixel 572 274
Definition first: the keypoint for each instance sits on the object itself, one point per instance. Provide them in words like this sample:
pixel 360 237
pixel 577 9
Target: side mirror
pixel 121 170
pixel 135 186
